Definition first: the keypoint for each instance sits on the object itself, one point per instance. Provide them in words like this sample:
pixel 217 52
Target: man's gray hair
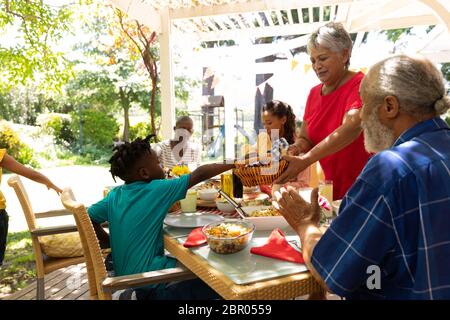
pixel 416 82
pixel 332 36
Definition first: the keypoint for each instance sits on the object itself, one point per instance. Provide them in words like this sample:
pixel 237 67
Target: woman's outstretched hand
pixel 296 165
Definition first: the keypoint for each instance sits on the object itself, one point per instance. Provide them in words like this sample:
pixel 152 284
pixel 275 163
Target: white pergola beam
pixel 289 14
pixel 210 24
pixel 373 14
pixel 252 6
pixel 432 36
pixel 441 56
pixel 256 32
pixel 231 23
pixel 268 16
pixel 359 39
pixel 249 19
pixel 321 14
pixel 166 76
pixel 342 14
pixel 198 24
pixel 140 11
pixel 398 23
pixel 258 50
pixel 241 23
pixel 279 17
pixel 332 12
pixel 259 19
pixel 310 15
pixel 220 22
pixel 439 10
pixel 224 24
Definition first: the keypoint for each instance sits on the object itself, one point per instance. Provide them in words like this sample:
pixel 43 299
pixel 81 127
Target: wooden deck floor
pixel 64 284
pixel 71 284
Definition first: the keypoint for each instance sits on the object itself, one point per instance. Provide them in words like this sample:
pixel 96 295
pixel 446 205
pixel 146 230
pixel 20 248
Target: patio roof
pixel 213 20
pixel 222 19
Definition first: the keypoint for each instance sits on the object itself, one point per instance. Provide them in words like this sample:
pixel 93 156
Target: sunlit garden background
pixel 76 77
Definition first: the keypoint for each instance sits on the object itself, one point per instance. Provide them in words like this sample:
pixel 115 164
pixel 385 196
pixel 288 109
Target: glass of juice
pixel 326 191
pixel 189 204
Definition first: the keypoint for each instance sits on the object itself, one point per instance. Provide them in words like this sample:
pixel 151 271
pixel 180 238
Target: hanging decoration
pixel 307 67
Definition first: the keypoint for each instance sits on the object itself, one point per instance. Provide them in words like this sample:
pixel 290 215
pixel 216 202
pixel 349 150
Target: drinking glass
pixel 326 191
pixel 189 204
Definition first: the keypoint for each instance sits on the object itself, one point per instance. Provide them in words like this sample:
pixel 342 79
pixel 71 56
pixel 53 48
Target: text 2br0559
pixel 226 309
pixel 246 309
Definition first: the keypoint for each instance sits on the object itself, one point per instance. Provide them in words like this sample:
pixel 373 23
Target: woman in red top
pixel 331 131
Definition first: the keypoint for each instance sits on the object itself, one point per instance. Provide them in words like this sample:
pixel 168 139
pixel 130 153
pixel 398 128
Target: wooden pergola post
pixel 167 87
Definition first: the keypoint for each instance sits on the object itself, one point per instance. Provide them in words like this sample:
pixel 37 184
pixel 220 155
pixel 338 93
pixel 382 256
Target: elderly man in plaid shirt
pixel 391 239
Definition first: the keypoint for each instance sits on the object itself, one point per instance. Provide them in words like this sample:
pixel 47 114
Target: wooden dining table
pixel 267 285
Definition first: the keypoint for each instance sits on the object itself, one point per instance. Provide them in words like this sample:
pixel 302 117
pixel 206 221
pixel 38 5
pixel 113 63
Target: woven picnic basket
pixel 259 175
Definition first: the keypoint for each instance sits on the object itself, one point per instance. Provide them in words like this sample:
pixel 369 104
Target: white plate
pixel 265 223
pixel 191 220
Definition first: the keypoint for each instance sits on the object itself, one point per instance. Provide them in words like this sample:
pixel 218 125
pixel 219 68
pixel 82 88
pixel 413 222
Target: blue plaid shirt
pixel 397 217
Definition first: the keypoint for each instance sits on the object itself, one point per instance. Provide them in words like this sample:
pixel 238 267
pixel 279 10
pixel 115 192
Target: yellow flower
pixel 180 170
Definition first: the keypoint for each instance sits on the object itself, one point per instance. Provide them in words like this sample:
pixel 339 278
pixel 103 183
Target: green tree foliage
pixel 94 128
pixel 36 27
pixel 59 127
pixel 119 82
pixel 446 71
pixel 10 140
pixel 110 74
pixel 93 89
pixel 140 130
pixel 395 34
pixel 21 105
pixel 141 41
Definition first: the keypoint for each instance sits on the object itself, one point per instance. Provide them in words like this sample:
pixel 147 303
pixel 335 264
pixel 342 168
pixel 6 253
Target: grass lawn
pixel 18 268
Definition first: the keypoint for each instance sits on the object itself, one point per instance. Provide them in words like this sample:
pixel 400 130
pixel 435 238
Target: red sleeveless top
pixel 324 114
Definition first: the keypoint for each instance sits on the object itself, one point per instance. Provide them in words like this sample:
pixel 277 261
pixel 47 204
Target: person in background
pixel 179 150
pixel 9 163
pixel 391 239
pixel 330 132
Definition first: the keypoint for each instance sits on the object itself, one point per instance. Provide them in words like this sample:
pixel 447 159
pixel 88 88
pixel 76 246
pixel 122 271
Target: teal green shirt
pixel 135 213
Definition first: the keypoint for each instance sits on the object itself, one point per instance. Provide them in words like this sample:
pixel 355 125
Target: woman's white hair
pixel 332 36
pixel 416 82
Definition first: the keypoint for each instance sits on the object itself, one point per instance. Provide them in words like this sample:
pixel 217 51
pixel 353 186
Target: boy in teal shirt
pixel 135 212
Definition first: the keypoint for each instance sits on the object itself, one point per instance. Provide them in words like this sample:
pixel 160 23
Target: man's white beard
pixel 377 136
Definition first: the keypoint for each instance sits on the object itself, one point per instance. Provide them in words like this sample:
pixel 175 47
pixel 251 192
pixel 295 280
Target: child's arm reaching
pixel 12 165
pixel 207 171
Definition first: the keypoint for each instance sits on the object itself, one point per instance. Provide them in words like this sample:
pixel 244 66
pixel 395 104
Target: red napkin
pixel 277 247
pixel 195 238
pixel 266 188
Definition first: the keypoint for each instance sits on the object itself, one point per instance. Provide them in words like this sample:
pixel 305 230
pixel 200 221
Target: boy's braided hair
pixel 126 155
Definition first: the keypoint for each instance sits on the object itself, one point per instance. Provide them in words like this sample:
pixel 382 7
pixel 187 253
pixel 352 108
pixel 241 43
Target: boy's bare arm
pixel 10 164
pixel 207 171
pixel 102 235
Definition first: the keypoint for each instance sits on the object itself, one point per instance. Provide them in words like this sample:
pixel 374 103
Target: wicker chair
pixel 100 285
pixel 44 264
